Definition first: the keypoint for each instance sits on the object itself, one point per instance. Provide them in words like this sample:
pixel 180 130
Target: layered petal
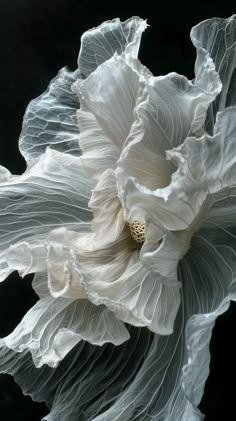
pixel 110 93
pixel 57 255
pixel 53 192
pixel 52 327
pixel 100 44
pixel 109 368
pixel 50 119
pixel 115 275
pixel 108 221
pixel 171 369
pixel 216 38
pixel 205 166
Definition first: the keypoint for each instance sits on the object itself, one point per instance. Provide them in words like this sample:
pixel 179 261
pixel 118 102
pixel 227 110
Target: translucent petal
pixel 216 38
pixel 99 365
pixel 142 296
pixel 100 44
pixel 112 383
pixel 108 221
pixel 110 93
pixel 50 119
pixel 57 255
pixel 205 166
pixel 99 152
pixel 52 327
pixel 53 192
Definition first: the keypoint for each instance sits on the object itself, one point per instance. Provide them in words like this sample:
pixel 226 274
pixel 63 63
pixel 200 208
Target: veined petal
pixel 57 256
pixel 110 369
pixel 162 257
pixel 100 44
pixel 116 277
pixel 110 93
pixel 215 38
pixel 171 369
pixel 205 166
pixel 52 192
pixel 50 119
pixel 99 152
pixel 53 327
pixel 108 221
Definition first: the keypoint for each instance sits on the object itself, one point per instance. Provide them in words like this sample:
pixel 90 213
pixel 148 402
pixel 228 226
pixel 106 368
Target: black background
pixel 37 38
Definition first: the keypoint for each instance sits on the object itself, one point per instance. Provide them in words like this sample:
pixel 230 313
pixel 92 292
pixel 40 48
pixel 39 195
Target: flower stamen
pixel 137 231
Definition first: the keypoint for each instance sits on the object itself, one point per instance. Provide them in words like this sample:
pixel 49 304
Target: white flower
pixel 105 231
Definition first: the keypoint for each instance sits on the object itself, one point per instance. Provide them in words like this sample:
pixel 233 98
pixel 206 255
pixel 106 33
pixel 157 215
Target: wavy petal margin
pixel 50 119
pixel 150 376
pixel 161 377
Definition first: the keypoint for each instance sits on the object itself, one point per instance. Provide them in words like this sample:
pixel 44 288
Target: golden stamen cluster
pixel 137 231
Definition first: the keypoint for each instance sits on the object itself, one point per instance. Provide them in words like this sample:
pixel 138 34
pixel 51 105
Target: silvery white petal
pixel 115 276
pixel 50 119
pixel 54 191
pixel 108 221
pixel 100 44
pixel 52 327
pixel 216 38
pixel 171 369
pixel 205 166
pixel 110 368
pixel 110 93
pixel 99 152
pixel 57 255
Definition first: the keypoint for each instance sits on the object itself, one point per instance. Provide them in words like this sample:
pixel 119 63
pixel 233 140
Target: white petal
pixel 52 192
pixel 108 221
pixel 162 258
pixel 205 166
pixel 27 258
pixel 66 389
pixel 215 38
pixel 99 152
pixel 116 277
pixel 110 93
pixel 100 44
pixel 53 327
pixel 172 369
pixel 63 273
pixel 50 119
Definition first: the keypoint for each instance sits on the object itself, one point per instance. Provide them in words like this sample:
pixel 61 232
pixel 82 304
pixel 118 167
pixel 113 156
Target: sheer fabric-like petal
pixel 45 197
pixel 116 276
pixel 52 327
pixel 205 166
pixel 171 369
pixel 50 119
pixel 216 38
pixel 100 44
pixel 150 376
pixel 108 98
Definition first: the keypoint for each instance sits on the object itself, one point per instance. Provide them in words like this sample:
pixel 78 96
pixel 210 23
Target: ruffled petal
pixel 115 276
pixel 99 152
pixel 57 256
pixel 50 119
pixel 171 369
pixel 52 327
pixel 216 38
pixel 108 221
pixel 110 93
pixel 205 166
pixel 53 192
pixel 109 368
pixel 100 44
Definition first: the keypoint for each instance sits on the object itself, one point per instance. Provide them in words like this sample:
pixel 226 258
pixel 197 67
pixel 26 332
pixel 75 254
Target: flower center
pixel 137 231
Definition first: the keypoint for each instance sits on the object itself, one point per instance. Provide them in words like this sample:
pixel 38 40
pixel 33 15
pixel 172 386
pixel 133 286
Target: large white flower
pixel 105 231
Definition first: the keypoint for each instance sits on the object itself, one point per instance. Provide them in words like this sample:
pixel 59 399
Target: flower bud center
pixel 137 231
